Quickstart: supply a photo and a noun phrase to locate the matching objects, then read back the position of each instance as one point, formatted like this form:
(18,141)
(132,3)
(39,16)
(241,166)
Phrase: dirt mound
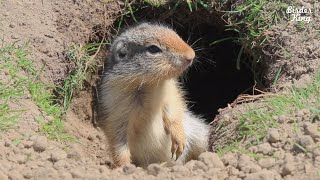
(288,145)
(50,28)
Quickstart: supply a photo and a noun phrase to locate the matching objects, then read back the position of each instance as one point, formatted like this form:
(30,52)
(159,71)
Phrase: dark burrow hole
(213,80)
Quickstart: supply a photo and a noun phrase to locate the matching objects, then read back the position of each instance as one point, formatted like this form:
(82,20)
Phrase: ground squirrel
(141,107)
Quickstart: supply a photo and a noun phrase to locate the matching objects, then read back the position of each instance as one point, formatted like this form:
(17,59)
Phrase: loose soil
(50,27)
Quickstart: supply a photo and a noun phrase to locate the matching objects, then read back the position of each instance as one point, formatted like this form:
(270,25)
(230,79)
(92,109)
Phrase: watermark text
(300,13)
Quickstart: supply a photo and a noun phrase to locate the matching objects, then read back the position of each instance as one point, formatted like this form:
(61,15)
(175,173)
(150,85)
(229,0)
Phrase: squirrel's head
(148,53)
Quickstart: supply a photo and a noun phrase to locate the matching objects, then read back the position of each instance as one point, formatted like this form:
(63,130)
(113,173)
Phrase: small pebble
(98,136)
(287,169)
(273,135)
(253,149)
(58,155)
(233,171)
(40,143)
(265,148)
(129,168)
(289,158)
(5,14)
(90,138)
(261,175)
(266,162)
(282,119)
(48,35)
(306,140)
(103,147)
(280,154)
(180,169)
(21,159)
(65,175)
(20,146)
(312,130)
(211,160)
(300,114)
(27,144)
(22,24)
(74,155)
(77,173)
(199,165)
(7,143)
(154,169)
(12,25)
(27,174)
(230,159)
(103,169)
(14,36)
(62,164)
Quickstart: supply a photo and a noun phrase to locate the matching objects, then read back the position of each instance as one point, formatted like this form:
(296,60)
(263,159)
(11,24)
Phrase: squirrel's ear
(121,49)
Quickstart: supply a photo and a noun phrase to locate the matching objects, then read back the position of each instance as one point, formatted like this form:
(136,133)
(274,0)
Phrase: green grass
(252,21)
(256,121)
(85,64)
(253,18)
(23,82)
(12,88)
(222,151)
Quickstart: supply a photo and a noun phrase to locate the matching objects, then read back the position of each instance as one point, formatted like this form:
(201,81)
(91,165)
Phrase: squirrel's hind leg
(120,154)
(118,143)
(197,132)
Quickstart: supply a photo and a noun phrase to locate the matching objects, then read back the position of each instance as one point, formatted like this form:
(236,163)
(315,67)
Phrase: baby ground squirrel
(141,108)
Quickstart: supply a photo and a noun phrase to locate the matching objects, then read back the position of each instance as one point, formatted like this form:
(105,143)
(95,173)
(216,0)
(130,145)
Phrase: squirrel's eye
(153,49)
(121,55)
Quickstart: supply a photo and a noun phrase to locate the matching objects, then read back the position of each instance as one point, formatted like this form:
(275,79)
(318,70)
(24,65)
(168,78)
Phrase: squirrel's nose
(190,55)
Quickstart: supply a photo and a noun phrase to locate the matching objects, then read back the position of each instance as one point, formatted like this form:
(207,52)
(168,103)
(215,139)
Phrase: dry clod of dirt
(230,159)
(199,166)
(306,140)
(21,159)
(266,162)
(27,173)
(288,168)
(232,171)
(212,160)
(129,169)
(273,135)
(263,175)
(282,119)
(58,155)
(40,143)
(7,143)
(154,169)
(247,164)
(312,130)
(265,149)
(27,143)
(74,155)
(15,175)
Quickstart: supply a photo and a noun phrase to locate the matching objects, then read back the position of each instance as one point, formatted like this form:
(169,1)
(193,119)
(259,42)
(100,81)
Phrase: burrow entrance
(214,80)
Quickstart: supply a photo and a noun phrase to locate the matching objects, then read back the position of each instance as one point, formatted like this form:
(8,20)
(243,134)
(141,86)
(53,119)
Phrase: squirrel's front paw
(178,138)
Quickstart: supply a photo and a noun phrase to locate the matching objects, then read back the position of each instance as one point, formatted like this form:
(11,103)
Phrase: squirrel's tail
(197,132)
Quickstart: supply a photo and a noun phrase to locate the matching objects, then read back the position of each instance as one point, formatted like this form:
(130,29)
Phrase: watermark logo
(300,13)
